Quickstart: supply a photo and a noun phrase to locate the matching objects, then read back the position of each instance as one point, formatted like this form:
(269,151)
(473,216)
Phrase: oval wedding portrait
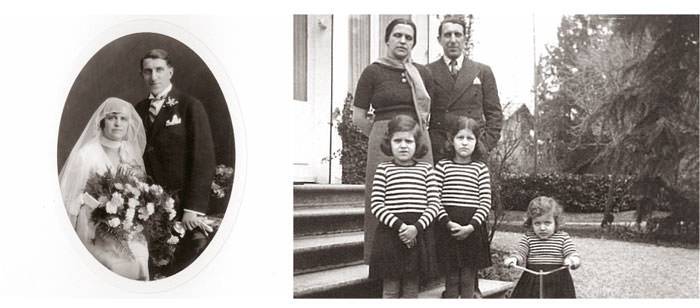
(146,156)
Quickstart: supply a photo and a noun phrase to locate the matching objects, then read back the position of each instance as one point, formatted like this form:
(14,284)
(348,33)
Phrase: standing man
(179,152)
(462,88)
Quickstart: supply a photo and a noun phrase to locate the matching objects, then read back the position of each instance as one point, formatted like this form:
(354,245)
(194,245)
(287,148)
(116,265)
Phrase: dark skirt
(472,252)
(556,285)
(390,258)
(374,157)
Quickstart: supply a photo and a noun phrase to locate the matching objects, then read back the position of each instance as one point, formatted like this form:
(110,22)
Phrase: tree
(654,116)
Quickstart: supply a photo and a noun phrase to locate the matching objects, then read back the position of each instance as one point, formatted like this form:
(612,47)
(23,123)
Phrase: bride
(114,137)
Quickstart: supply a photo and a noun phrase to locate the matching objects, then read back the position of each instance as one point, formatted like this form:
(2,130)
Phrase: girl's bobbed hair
(541,206)
(404,123)
(458,123)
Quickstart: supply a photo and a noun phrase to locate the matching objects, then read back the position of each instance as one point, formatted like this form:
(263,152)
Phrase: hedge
(577,193)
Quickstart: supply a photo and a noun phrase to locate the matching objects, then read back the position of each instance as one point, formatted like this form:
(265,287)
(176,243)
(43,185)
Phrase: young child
(401,249)
(545,247)
(464,189)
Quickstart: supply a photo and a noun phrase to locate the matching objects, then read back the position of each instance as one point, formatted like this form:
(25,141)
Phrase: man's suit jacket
(180,156)
(466,97)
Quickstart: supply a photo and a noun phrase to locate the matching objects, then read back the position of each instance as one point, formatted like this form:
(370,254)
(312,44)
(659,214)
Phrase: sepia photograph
(479,155)
(146,156)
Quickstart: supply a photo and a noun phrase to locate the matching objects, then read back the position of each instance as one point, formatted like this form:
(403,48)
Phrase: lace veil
(81,161)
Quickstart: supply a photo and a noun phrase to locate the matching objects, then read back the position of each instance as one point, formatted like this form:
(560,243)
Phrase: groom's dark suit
(473,94)
(180,157)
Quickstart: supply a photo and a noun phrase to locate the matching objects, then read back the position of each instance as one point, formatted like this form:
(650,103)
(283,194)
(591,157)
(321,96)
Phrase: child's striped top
(464,185)
(553,250)
(403,189)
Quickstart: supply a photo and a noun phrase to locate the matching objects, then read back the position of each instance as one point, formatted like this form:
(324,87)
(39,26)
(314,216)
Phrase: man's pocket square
(175,120)
(476,80)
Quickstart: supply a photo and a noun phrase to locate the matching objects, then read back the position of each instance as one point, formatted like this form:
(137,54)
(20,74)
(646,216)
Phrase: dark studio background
(115,71)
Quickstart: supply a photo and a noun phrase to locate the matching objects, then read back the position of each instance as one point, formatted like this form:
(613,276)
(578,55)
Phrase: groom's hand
(190,221)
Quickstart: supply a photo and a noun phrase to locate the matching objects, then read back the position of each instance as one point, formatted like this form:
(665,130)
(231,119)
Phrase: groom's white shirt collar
(160,98)
(460,60)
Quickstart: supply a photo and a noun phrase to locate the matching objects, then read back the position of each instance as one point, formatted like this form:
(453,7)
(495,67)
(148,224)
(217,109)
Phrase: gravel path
(616,269)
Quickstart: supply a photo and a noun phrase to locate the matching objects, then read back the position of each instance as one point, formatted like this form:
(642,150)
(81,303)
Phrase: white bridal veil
(87,155)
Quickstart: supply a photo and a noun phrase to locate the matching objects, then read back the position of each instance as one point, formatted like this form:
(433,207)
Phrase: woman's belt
(388,115)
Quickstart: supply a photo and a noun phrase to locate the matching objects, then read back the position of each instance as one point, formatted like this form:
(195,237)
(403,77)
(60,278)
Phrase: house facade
(330,52)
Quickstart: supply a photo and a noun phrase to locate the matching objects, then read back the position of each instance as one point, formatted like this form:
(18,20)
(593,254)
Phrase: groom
(179,151)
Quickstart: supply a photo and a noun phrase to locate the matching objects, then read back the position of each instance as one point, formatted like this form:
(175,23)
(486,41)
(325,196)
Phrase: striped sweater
(464,185)
(553,250)
(404,189)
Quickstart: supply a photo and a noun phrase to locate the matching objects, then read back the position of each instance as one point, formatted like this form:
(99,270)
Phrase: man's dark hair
(454,20)
(157,54)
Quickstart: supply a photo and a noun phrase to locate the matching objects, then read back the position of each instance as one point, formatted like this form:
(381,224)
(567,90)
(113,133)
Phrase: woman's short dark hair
(404,123)
(458,123)
(541,206)
(399,21)
(156,54)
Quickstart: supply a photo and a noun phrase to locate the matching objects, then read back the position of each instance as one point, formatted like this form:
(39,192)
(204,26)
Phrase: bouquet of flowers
(125,207)
(222,181)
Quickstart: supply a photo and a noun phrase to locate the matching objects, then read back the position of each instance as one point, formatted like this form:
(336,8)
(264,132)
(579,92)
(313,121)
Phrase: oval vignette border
(166,28)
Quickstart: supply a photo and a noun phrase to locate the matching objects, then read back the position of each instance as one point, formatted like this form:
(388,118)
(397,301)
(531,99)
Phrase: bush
(353,156)
(577,193)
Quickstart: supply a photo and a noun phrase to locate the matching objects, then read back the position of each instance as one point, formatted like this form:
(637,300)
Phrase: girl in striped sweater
(545,247)
(464,188)
(400,200)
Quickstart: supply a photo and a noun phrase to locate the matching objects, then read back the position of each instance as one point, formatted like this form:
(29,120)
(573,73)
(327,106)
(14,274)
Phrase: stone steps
(329,243)
(323,252)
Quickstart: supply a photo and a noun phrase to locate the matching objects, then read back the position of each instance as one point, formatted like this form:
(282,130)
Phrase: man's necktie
(153,109)
(453,68)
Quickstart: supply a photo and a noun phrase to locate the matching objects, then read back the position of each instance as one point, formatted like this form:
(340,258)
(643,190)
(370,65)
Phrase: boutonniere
(170,102)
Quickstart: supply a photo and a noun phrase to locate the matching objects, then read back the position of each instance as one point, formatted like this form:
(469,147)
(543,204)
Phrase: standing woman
(392,85)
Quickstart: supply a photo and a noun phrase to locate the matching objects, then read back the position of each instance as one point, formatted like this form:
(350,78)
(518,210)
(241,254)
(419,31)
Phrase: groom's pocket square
(175,120)
(476,80)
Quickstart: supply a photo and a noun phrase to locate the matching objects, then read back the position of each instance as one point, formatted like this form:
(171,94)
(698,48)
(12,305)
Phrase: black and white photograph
(144,177)
(477,155)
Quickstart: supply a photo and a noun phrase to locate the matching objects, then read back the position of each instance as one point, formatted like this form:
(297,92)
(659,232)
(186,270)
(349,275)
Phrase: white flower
(173,240)
(127,225)
(114,203)
(171,214)
(129,216)
(169,204)
(156,189)
(150,208)
(118,186)
(133,203)
(143,214)
(171,102)
(114,222)
(133,190)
